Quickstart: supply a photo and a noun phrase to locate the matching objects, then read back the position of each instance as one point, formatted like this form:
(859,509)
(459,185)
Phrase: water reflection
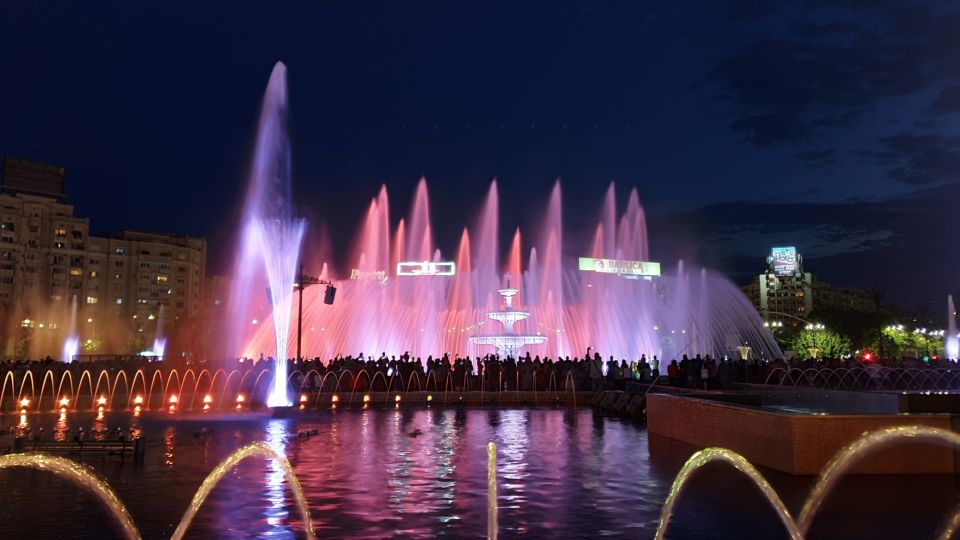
(419,474)
(276,511)
(169,438)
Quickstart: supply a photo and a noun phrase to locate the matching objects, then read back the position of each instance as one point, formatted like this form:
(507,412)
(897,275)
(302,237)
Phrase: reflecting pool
(421,473)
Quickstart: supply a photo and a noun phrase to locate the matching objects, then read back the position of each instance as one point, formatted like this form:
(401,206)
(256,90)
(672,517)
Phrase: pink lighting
(684,310)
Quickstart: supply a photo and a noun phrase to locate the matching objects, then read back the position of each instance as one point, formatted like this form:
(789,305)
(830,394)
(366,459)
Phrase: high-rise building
(786,290)
(783,287)
(123,284)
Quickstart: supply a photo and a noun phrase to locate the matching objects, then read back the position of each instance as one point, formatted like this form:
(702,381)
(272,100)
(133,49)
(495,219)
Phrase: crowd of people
(493,373)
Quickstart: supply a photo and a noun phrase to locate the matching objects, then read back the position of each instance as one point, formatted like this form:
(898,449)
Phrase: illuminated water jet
(71,345)
(270,236)
(81,476)
(951,343)
(684,311)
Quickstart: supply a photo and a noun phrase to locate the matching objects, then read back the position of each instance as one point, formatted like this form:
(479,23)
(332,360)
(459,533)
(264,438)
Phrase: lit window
(161,278)
(76,271)
(61,232)
(93,273)
(92,300)
(120,251)
(119,301)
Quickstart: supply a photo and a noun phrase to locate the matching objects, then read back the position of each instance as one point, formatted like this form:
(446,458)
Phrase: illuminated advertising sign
(783,261)
(368,275)
(646,269)
(426,268)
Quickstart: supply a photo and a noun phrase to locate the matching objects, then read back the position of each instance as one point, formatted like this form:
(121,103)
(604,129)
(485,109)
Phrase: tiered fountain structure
(508,342)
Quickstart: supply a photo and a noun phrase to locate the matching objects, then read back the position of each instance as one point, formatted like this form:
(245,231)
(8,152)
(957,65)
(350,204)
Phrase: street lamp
(304,281)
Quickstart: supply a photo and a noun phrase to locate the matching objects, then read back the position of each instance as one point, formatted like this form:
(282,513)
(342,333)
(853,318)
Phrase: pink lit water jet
(686,311)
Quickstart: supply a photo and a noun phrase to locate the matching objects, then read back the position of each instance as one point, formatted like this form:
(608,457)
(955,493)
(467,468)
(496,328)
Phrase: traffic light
(329,295)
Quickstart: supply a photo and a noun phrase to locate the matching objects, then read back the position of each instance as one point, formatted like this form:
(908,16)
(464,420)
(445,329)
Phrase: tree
(826,342)
(899,342)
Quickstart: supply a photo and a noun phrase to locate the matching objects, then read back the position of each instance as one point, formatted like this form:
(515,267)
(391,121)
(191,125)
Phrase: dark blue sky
(833,125)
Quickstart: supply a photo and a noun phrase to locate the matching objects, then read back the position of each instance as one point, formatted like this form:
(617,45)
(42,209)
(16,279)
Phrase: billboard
(425,268)
(784,261)
(368,275)
(620,267)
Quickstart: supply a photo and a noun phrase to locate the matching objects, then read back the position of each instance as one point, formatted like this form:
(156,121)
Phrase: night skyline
(748,125)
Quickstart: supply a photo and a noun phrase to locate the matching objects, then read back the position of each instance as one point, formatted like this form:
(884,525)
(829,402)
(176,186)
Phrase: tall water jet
(270,235)
(689,311)
(159,341)
(71,344)
(951,343)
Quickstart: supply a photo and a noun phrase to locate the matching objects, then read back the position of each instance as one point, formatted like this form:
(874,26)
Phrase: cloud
(899,244)
(919,159)
(817,158)
(948,101)
(792,85)
(751,9)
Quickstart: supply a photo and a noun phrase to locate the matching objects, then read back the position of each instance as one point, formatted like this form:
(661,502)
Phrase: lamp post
(304,281)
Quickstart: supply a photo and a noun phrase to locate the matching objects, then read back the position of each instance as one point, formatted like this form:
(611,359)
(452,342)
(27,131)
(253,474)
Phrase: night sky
(830,125)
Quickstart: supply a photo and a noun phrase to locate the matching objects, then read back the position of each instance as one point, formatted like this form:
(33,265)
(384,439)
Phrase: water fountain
(685,311)
(71,344)
(796,528)
(270,236)
(159,341)
(508,342)
(951,343)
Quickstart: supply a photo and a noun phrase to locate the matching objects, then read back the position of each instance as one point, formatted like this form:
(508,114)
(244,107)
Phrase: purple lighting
(270,239)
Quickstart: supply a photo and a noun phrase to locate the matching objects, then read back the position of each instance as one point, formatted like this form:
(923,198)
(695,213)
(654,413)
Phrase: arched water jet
(83,375)
(66,375)
(156,375)
(211,481)
(43,385)
(116,383)
(866,445)
(82,477)
(23,382)
(3,389)
(738,462)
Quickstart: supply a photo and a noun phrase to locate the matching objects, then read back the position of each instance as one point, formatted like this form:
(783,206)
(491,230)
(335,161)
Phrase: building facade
(56,278)
(785,288)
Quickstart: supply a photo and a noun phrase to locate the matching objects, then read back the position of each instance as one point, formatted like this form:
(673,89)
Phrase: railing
(78,388)
(867,378)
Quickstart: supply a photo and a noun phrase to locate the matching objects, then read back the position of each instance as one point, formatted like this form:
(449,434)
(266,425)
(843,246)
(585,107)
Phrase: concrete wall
(797,444)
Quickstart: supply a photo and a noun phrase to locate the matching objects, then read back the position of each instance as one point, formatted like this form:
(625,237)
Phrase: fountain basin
(794,441)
